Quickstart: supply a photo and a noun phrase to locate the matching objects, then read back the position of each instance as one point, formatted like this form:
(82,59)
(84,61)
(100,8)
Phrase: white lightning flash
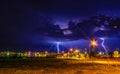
(58,48)
(103,41)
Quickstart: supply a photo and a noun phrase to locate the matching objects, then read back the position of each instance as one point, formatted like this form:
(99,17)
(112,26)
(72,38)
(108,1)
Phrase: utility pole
(107,53)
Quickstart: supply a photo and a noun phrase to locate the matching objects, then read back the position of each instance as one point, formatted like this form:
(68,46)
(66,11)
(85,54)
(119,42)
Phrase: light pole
(93,44)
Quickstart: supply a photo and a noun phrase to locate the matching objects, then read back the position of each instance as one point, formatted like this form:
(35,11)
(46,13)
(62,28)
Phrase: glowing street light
(94,43)
(71,50)
(77,51)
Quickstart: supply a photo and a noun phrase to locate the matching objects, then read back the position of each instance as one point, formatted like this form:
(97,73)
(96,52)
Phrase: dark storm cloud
(96,25)
(20,20)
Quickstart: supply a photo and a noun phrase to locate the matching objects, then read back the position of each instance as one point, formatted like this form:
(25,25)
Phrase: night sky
(42,23)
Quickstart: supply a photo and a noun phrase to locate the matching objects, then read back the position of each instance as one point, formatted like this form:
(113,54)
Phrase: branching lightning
(103,41)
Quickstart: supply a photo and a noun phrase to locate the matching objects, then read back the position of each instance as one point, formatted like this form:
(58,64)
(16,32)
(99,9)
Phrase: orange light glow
(94,43)
(76,51)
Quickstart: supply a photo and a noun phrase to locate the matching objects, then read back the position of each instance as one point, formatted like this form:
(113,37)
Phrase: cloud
(81,30)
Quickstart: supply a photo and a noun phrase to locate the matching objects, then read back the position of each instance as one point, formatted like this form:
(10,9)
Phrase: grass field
(53,66)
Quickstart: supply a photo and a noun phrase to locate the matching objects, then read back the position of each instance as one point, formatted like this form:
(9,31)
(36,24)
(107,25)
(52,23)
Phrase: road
(111,61)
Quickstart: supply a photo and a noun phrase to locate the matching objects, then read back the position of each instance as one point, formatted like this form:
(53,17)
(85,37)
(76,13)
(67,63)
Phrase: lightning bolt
(103,41)
(58,48)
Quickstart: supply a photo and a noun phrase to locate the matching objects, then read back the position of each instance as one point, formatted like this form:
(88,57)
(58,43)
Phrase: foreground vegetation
(53,66)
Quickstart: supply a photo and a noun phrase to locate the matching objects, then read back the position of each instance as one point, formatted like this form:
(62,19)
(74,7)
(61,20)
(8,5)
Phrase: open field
(54,66)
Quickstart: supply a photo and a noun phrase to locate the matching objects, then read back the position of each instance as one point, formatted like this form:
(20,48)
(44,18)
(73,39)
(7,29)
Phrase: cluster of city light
(23,54)
(71,53)
(74,54)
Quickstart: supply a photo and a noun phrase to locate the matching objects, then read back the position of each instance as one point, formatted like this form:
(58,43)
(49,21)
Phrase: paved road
(98,60)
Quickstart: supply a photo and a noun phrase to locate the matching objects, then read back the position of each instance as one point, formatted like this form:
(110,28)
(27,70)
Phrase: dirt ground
(54,66)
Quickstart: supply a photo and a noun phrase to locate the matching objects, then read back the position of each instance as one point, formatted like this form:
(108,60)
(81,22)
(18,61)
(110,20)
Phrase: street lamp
(93,44)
